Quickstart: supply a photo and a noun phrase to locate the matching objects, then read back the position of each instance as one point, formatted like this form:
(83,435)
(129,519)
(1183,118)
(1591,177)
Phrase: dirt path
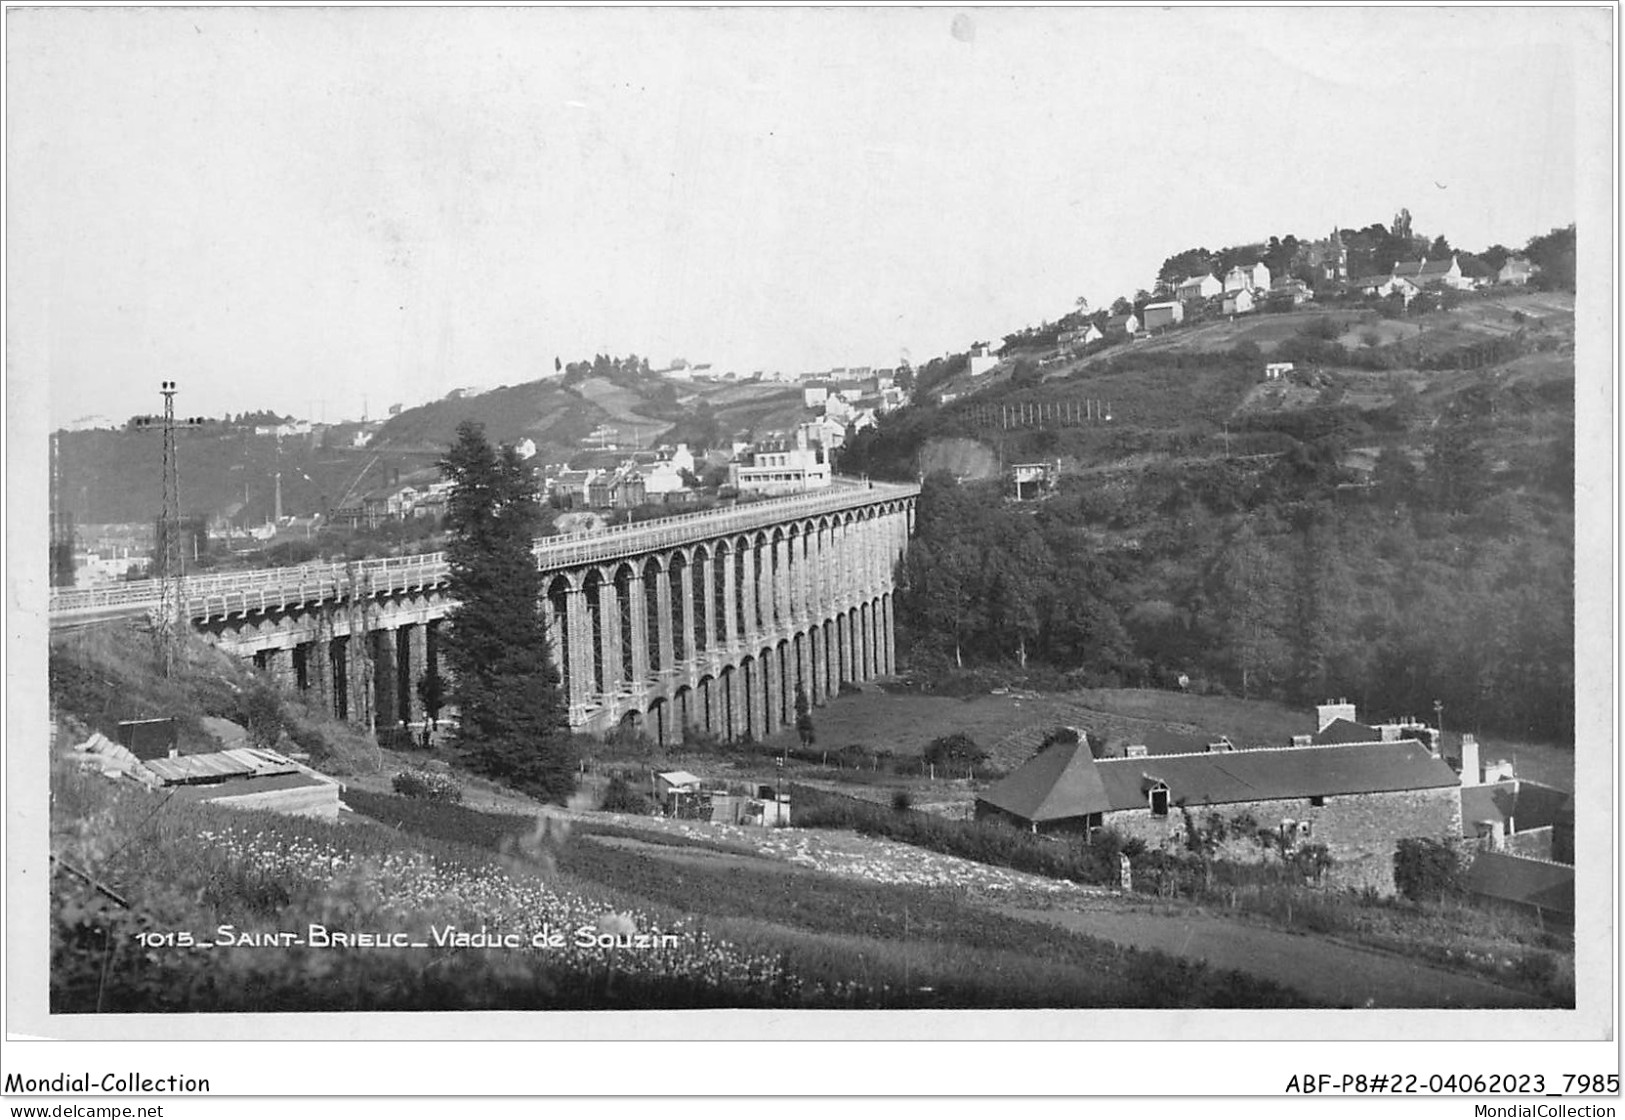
(1325,971)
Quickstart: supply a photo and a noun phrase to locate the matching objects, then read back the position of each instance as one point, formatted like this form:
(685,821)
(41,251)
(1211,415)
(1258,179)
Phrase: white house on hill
(1200,287)
(1247,276)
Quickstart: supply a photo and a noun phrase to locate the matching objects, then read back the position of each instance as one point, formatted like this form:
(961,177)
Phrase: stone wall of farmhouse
(1359,830)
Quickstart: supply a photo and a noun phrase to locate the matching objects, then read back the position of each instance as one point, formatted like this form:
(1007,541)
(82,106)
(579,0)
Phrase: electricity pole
(171,553)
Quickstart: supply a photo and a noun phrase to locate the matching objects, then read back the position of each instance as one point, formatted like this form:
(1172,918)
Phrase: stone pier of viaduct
(710,620)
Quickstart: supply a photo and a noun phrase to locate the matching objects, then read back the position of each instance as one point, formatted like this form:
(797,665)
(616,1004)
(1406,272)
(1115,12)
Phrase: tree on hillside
(1183,266)
(513,721)
(1281,255)
(1495,256)
(1457,467)
(804,720)
(1553,255)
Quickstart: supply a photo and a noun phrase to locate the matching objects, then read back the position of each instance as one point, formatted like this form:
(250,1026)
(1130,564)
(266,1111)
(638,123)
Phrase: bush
(260,711)
(620,797)
(1323,327)
(902,801)
(1058,735)
(956,751)
(426,786)
(1425,869)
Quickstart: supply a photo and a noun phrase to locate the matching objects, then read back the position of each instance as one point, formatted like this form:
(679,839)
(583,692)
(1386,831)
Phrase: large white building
(778,468)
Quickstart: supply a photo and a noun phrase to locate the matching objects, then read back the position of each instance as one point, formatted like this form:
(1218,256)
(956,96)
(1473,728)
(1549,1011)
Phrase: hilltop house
(1167,314)
(1293,288)
(1238,302)
(1516,270)
(1125,324)
(1329,259)
(1247,277)
(1079,337)
(823,431)
(1425,273)
(1387,286)
(1358,799)
(983,357)
(1199,287)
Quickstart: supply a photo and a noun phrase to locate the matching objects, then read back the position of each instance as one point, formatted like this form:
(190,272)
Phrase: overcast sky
(282,207)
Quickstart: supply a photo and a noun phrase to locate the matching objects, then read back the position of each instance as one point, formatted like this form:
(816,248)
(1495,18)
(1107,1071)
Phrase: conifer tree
(513,723)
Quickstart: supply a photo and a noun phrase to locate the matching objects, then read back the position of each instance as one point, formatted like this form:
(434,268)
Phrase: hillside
(640,412)
(1393,520)
(116,476)
(1187,391)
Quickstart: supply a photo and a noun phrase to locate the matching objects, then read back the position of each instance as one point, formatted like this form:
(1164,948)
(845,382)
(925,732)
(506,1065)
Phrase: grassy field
(905,722)
(742,932)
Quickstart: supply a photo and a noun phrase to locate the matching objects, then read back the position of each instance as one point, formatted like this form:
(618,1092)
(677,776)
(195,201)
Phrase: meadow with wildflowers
(222,910)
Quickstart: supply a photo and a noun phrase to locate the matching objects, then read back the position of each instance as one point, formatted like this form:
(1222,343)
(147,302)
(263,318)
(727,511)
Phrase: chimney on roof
(1135,750)
(1470,774)
(1501,770)
(1327,713)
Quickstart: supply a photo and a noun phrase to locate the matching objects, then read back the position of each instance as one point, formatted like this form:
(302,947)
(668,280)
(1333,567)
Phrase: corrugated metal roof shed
(239,762)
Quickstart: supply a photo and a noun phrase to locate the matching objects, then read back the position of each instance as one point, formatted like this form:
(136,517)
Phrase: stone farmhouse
(1358,799)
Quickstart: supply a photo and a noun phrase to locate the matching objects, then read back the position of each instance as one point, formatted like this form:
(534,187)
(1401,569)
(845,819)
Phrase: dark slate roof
(1529,804)
(1276,773)
(1156,742)
(1066,781)
(1533,882)
(1058,783)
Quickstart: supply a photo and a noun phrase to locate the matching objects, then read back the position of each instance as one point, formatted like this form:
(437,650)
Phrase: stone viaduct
(709,620)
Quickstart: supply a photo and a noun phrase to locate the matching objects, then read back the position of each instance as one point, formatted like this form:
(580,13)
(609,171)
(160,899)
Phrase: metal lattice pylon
(168,618)
(173,556)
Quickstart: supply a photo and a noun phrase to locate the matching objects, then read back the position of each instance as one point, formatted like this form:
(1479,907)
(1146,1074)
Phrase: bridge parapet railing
(215,593)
